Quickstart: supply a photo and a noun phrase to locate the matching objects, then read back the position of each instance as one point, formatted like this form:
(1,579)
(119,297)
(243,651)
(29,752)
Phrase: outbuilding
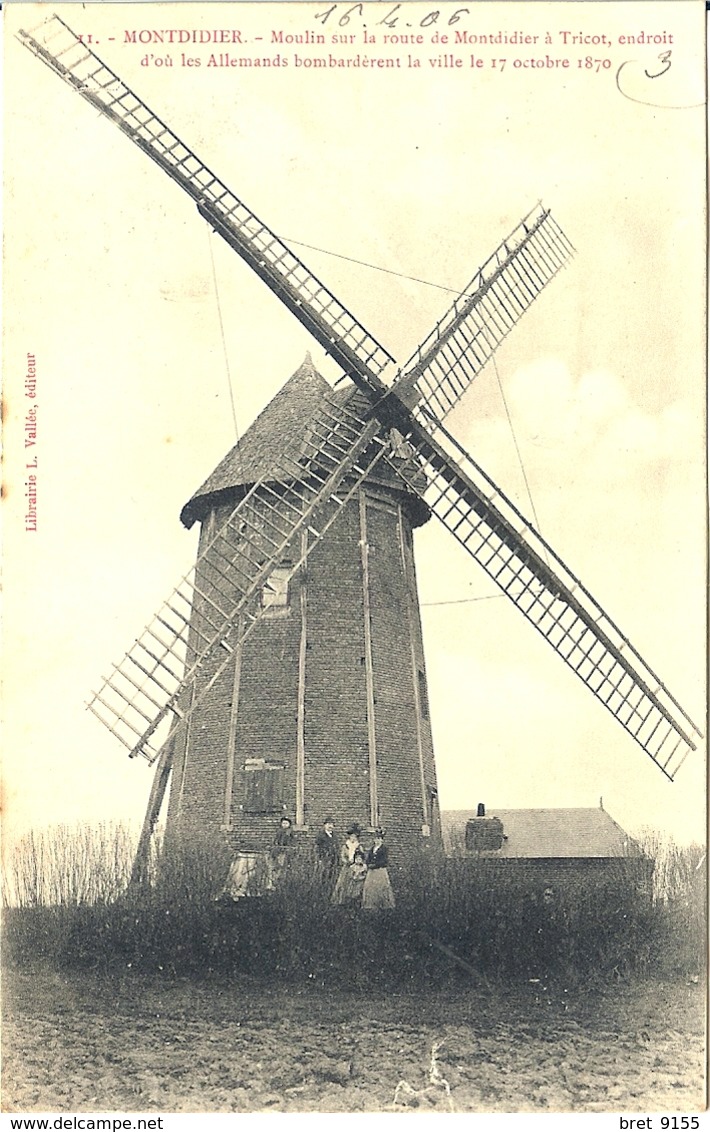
(548,848)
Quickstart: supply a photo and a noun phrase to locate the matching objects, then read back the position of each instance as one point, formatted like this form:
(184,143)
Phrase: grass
(69,901)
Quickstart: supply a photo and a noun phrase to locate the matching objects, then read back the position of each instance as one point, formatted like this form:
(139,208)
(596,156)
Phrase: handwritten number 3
(665,57)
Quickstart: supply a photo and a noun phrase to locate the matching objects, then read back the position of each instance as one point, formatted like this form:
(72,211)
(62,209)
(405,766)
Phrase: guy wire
(224,348)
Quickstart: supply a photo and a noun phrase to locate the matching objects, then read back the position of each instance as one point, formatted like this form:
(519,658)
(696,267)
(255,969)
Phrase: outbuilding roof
(549,833)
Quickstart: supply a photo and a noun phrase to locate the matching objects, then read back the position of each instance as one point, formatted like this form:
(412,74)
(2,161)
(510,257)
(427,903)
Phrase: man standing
(326,846)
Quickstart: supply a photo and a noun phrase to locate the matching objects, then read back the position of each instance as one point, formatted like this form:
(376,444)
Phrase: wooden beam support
(139,873)
(369,674)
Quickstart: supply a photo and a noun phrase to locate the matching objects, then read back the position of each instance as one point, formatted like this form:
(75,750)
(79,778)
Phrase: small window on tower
(423,697)
(274,595)
(263,786)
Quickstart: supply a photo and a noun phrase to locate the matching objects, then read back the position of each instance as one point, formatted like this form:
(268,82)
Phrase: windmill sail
(444,365)
(146,687)
(527,570)
(461,343)
(337,331)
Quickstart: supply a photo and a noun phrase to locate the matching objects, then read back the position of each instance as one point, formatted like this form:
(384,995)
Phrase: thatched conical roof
(257,452)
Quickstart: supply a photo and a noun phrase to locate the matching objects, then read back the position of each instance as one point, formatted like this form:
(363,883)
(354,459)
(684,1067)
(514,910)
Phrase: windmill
(381,438)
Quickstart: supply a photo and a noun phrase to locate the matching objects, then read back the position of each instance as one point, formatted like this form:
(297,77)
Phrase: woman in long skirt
(377,891)
(348,887)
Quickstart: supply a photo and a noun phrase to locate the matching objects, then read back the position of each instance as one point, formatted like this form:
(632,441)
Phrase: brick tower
(324,709)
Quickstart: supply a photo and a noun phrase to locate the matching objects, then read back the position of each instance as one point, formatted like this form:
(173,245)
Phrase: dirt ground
(144,1043)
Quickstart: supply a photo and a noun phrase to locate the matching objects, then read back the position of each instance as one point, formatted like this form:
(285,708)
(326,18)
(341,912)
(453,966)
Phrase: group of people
(362,879)
(359,874)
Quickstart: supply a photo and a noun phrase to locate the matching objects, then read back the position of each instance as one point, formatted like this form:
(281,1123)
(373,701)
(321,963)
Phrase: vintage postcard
(355,557)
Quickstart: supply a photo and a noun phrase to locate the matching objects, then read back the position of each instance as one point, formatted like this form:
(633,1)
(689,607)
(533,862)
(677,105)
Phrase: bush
(679,905)
(65,866)
(70,900)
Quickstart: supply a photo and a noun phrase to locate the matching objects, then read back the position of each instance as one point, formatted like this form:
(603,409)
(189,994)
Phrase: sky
(139,319)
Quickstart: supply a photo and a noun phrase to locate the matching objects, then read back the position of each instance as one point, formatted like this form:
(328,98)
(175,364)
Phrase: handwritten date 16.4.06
(390,19)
